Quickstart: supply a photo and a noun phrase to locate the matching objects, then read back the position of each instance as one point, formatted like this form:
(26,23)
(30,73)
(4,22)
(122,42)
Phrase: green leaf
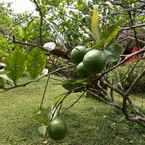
(129,1)
(113,32)
(5,46)
(108,34)
(95,21)
(36,61)
(116,50)
(19,32)
(15,64)
(3,53)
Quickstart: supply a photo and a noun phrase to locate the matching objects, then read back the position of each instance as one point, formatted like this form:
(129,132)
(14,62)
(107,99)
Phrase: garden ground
(89,122)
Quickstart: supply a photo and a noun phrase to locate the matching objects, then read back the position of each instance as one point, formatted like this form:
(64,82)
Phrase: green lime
(81,70)
(57,128)
(94,61)
(78,53)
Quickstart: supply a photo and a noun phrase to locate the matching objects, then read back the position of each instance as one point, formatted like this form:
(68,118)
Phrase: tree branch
(67,108)
(43,96)
(134,82)
(41,21)
(57,51)
(123,61)
(27,83)
(132,27)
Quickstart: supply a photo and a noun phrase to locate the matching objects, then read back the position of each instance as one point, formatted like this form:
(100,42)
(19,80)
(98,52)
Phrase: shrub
(125,75)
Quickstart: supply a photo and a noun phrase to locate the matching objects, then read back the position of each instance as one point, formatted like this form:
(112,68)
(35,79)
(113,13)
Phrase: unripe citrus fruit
(81,70)
(78,53)
(94,61)
(57,128)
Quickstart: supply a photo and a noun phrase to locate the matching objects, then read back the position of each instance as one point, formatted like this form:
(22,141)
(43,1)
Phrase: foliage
(5,20)
(15,64)
(4,47)
(95,24)
(123,76)
(36,61)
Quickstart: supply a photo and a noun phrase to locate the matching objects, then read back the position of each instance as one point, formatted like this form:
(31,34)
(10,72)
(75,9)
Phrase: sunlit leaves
(110,34)
(107,35)
(36,61)
(129,1)
(95,20)
(103,34)
(43,5)
(5,20)
(15,64)
(5,47)
(18,32)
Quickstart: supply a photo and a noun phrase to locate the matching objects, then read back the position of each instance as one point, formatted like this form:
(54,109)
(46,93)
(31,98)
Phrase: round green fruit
(94,61)
(57,128)
(78,53)
(81,70)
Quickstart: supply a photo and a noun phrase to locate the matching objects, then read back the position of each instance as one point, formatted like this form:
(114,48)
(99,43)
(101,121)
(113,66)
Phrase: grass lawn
(89,122)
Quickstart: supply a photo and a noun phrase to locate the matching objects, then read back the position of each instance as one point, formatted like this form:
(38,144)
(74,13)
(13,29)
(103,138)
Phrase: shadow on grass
(87,129)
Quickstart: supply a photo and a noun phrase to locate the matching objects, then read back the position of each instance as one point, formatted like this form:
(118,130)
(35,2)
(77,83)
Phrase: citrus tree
(84,41)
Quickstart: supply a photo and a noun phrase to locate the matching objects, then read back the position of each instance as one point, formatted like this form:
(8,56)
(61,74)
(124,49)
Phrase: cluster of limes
(88,61)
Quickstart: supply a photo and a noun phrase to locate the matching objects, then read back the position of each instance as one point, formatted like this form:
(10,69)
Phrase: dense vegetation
(95,47)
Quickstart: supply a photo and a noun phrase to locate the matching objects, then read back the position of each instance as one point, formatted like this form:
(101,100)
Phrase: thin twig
(27,83)
(24,84)
(104,101)
(132,27)
(123,61)
(43,96)
(134,82)
(67,108)
(132,38)
(57,51)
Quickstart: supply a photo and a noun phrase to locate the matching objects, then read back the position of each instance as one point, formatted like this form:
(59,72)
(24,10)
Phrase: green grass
(89,122)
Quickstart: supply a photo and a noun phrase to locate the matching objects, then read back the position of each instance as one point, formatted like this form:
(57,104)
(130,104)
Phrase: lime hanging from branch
(78,53)
(81,70)
(57,128)
(94,61)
